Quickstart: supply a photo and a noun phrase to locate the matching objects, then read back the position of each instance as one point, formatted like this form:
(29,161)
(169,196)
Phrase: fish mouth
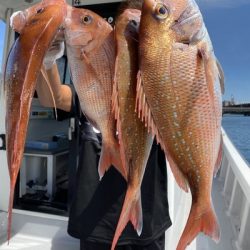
(133,20)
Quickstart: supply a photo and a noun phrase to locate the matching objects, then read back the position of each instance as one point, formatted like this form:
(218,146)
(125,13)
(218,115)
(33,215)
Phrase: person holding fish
(96,205)
(115,72)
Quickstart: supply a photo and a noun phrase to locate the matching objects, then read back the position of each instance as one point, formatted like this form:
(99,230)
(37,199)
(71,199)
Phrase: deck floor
(31,232)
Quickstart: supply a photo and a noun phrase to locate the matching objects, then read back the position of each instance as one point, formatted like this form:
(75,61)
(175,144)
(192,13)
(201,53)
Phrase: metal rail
(235,175)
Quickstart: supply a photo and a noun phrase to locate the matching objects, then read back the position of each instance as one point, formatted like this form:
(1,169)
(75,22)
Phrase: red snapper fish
(91,54)
(179,97)
(135,141)
(42,22)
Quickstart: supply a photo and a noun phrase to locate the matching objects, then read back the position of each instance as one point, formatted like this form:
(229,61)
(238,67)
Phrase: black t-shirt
(96,205)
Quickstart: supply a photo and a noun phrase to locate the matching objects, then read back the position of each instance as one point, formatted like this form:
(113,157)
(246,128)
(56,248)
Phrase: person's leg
(158,244)
(87,245)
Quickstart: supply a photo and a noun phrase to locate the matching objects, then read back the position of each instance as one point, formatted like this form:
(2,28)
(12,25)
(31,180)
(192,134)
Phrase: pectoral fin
(210,66)
(221,76)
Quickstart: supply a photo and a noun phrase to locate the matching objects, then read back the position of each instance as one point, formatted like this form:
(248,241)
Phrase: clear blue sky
(228,23)
(2,29)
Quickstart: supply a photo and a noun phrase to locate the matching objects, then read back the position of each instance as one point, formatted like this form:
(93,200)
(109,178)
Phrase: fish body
(179,87)
(135,141)
(22,69)
(91,54)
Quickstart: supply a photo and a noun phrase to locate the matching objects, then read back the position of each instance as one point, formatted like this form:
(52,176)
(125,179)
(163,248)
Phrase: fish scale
(135,142)
(180,81)
(200,117)
(90,90)
(91,54)
(37,31)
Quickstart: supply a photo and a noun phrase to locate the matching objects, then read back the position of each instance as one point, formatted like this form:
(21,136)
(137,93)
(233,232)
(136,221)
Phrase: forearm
(62,93)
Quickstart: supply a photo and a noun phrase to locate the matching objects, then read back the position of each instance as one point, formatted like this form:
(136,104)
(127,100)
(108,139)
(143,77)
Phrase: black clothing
(97,204)
(158,244)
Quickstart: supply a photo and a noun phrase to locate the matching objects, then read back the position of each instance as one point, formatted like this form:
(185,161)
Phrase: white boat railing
(235,176)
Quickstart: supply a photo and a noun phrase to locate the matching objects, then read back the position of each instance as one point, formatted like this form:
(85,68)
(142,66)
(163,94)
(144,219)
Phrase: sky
(2,29)
(228,23)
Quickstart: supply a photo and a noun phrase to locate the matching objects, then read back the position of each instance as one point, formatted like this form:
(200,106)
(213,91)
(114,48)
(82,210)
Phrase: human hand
(55,52)
(18,21)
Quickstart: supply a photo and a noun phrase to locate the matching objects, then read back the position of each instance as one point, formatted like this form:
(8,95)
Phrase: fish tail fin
(206,223)
(110,155)
(131,211)
(11,200)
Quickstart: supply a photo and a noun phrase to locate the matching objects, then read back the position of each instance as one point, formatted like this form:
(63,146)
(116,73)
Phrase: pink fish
(23,66)
(91,54)
(135,141)
(179,97)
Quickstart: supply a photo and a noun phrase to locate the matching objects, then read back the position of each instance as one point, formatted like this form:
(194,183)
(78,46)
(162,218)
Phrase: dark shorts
(158,244)
(96,205)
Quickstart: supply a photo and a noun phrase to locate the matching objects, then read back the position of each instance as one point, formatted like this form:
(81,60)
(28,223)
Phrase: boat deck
(33,231)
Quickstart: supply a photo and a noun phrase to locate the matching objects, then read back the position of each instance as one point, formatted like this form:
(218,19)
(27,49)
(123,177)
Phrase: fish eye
(161,11)
(86,19)
(39,11)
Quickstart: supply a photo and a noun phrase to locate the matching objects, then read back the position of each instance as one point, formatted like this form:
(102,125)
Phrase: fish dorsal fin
(211,72)
(44,73)
(209,66)
(221,76)
(115,101)
(145,115)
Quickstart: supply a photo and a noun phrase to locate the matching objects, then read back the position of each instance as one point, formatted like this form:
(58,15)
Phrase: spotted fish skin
(91,54)
(180,83)
(135,141)
(22,69)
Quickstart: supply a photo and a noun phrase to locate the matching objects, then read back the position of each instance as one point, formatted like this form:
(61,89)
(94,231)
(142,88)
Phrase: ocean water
(237,128)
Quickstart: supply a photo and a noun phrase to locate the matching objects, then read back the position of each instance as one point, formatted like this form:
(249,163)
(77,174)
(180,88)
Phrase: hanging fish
(179,98)
(91,54)
(135,141)
(42,22)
